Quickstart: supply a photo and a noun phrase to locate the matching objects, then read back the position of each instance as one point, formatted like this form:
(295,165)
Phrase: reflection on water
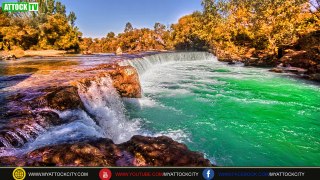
(10,69)
(14,72)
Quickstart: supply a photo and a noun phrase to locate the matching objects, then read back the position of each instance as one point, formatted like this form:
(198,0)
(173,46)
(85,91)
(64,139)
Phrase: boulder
(315,77)
(289,69)
(59,98)
(138,151)
(231,63)
(126,81)
(265,61)
(277,70)
(301,59)
(295,70)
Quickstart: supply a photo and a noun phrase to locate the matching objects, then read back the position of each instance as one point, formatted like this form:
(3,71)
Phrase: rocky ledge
(138,151)
(301,58)
(26,114)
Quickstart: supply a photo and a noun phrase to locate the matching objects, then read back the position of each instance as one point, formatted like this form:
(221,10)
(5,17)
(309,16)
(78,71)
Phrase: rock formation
(25,111)
(139,151)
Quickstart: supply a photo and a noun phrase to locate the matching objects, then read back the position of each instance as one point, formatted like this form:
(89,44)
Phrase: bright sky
(96,18)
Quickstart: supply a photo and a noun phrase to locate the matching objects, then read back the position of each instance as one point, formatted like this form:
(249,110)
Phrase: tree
(128,27)
(264,24)
(85,44)
(72,18)
(187,33)
(60,8)
(111,35)
(49,28)
(49,7)
(159,28)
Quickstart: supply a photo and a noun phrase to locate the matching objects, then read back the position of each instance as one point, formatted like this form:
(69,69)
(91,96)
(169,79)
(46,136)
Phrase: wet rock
(139,151)
(264,61)
(315,77)
(301,59)
(19,130)
(162,151)
(277,70)
(59,98)
(231,63)
(295,70)
(24,120)
(289,69)
(126,81)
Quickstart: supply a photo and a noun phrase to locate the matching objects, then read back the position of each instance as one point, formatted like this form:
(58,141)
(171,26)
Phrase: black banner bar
(106,173)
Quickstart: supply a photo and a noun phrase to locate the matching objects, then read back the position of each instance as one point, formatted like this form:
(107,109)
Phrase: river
(235,115)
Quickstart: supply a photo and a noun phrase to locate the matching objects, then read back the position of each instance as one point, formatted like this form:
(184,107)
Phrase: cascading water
(103,116)
(103,102)
(237,116)
(144,64)
(5,142)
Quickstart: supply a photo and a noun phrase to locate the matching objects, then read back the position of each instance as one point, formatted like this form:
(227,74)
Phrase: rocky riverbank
(301,58)
(138,151)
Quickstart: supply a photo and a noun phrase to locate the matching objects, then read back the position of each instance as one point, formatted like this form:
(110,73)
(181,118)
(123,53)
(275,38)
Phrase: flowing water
(237,116)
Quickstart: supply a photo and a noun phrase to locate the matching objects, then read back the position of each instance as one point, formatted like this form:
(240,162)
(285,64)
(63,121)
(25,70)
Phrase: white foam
(176,134)
(104,104)
(142,102)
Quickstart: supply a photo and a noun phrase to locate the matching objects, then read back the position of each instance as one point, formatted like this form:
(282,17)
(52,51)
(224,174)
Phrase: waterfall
(103,103)
(17,136)
(5,143)
(23,134)
(104,113)
(145,63)
(102,116)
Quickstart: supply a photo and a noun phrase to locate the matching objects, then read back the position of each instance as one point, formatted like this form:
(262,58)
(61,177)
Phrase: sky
(96,18)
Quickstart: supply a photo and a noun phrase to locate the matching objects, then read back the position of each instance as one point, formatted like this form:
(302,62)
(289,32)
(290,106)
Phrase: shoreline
(33,53)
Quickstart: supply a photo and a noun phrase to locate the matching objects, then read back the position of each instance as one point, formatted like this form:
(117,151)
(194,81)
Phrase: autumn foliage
(232,29)
(49,28)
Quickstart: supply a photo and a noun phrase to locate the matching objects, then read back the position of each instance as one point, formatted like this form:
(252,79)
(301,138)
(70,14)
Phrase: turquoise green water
(236,116)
